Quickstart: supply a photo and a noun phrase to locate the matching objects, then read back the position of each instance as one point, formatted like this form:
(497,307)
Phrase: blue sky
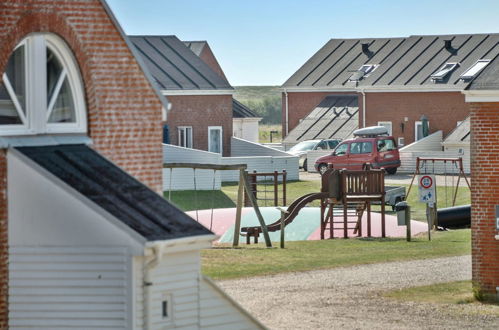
(260,42)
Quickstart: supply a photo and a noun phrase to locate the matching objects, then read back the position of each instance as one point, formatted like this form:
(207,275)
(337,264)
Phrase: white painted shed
(90,247)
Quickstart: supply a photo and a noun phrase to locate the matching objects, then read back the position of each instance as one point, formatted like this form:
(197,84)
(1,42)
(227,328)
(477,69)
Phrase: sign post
(428,195)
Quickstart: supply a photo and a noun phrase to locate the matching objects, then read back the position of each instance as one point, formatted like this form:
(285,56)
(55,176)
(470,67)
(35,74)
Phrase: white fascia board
(189,243)
(368,89)
(481,96)
(247,119)
(138,240)
(198,92)
(319,89)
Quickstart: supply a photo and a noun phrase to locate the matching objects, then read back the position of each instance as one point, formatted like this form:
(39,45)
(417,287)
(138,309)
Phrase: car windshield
(303,146)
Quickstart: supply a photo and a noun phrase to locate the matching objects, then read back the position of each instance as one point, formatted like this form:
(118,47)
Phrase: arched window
(41,91)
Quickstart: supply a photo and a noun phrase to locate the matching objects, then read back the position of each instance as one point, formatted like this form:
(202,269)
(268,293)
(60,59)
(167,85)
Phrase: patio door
(215,139)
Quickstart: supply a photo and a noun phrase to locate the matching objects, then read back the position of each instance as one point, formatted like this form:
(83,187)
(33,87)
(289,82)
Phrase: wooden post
(430,217)
(276,189)
(408,222)
(252,198)
(284,178)
(283,224)
(239,207)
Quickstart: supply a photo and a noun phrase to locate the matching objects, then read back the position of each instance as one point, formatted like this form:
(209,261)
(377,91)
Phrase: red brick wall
(485,196)
(4,271)
(301,104)
(209,58)
(201,111)
(124,114)
(443,110)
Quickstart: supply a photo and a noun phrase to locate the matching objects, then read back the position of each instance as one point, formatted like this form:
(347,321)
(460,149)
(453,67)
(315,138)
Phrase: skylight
(474,69)
(363,72)
(441,73)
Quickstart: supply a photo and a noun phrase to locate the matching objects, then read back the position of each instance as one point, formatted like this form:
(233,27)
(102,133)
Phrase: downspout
(157,254)
(287,113)
(363,107)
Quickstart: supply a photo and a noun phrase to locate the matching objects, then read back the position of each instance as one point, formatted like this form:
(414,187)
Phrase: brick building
(85,238)
(201,98)
(396,82)
(483,98)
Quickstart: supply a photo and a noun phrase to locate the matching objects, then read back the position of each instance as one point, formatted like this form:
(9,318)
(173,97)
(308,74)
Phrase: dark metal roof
(337,116)
(196,46)
(174,66)
(488,79)
(117,192)
(239,110)
(405,63)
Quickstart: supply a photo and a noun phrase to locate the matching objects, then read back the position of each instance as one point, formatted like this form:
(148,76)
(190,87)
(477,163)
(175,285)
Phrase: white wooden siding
(432,142)
(183,179)
(242,148)
(408,162)
(69,287)
(176,275)
(246,128)
(218,311)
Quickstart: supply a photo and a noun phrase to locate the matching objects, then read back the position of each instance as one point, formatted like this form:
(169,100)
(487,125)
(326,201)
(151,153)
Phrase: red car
(372,148)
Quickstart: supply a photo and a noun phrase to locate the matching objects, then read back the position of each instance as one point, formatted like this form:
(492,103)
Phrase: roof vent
(365,49)
(449,48)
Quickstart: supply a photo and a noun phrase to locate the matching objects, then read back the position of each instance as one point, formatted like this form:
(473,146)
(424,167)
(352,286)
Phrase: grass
(459,292)
(455,293)
(186,200)
(264,133)
(223,262)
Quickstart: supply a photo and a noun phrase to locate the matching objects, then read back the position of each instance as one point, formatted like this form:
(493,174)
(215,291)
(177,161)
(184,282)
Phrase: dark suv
(365,151)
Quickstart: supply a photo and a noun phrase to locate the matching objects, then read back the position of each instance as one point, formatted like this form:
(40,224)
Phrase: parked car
(303,147)
(372,148)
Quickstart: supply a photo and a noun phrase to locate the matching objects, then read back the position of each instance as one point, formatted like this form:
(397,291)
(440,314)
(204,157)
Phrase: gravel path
(351,298)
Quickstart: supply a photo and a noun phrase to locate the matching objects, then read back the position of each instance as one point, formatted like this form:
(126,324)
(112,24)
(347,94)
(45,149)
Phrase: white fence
(188,179)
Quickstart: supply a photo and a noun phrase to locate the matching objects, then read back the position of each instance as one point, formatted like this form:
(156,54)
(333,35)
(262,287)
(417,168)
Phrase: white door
(215,139)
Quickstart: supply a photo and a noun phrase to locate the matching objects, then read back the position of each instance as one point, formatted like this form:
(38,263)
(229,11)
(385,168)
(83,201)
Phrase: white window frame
(416,124)
(213,128)
(400,142)
(441,73)
(388,125)
(471,72)
(36,121)
(186,129)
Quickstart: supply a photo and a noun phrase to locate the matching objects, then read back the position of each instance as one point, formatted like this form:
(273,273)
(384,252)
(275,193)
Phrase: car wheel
(305,165)
(367,167)
(392,170)
(322,168)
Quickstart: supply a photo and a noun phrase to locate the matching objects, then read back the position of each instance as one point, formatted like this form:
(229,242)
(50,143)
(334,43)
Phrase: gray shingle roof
(114,190)
(239,110)
(488,79)
(337,116)
(174,66)
(406,63)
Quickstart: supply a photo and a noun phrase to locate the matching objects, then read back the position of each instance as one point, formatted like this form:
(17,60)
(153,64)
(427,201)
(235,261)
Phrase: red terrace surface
(224,219)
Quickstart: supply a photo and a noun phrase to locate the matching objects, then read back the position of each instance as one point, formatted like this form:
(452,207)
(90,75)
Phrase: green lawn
(264,133)
(224,262)
(227,197)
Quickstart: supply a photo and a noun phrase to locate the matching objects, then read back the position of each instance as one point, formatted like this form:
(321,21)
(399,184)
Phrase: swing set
(243,187)
(456,167)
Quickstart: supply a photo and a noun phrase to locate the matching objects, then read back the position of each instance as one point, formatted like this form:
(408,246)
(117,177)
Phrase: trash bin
(403,213)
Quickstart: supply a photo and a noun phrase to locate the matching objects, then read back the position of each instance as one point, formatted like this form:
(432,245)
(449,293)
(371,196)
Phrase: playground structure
(343,194)
(270,179)
(453,216)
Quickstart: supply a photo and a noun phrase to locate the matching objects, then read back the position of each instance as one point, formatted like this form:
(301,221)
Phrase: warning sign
(427,192)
